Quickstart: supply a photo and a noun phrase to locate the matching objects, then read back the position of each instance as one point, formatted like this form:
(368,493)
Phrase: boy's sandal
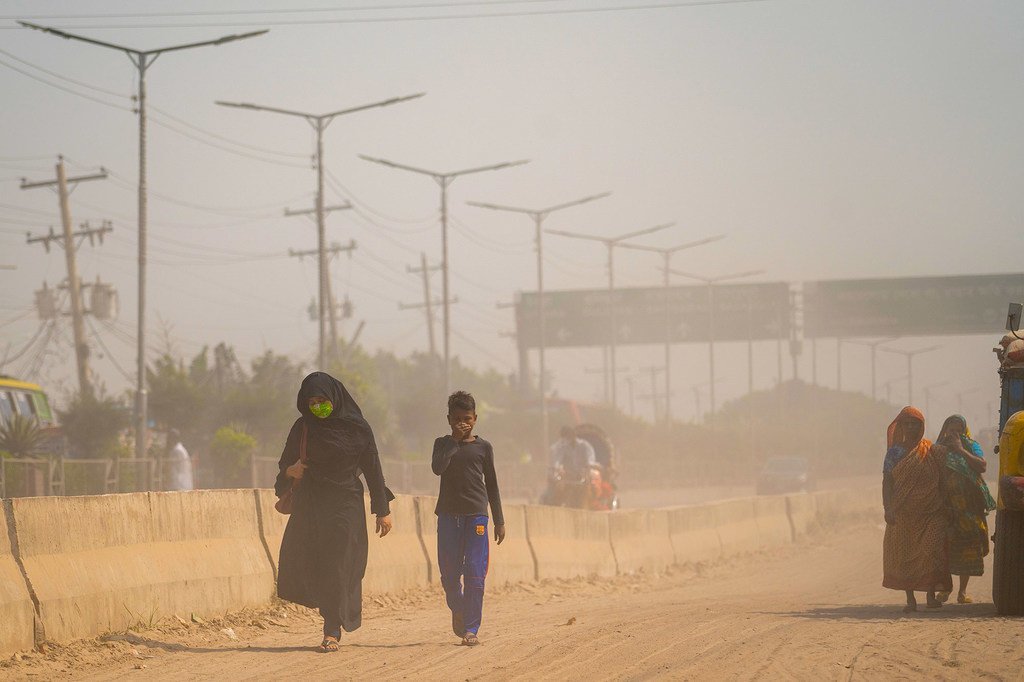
(329,645)
(470,640)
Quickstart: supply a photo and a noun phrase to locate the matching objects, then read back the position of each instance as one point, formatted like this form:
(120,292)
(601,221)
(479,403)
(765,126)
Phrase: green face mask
(322,410)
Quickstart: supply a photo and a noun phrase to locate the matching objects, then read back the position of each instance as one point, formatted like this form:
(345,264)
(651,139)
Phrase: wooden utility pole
(332,250)
(74,284)
(428,302)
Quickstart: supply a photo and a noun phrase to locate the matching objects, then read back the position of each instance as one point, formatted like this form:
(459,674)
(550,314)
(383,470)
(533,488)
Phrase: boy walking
(465,463)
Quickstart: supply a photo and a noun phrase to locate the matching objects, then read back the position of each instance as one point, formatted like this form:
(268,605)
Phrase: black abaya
(324,549)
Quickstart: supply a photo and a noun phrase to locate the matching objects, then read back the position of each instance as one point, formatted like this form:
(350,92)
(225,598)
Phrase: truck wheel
(1008,563)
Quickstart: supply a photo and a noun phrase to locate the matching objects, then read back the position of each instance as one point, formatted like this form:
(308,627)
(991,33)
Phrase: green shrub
(230,453)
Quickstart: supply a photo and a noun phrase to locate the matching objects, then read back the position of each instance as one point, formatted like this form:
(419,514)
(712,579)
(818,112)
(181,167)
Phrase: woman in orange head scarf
(914,552)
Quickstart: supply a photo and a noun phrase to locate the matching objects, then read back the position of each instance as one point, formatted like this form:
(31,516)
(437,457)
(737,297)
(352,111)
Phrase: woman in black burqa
(323,552)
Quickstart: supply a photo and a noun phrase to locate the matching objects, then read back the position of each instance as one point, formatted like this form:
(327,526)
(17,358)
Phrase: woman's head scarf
(950,421)
(922,445)
(345,430)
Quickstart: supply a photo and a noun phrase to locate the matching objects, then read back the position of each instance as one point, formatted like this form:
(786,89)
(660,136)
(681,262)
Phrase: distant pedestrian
(914,552)
(324,549)
(177,464)
(465,463)
(969,500)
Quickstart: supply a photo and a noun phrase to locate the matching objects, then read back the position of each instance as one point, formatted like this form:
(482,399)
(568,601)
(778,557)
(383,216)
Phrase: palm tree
(21,436)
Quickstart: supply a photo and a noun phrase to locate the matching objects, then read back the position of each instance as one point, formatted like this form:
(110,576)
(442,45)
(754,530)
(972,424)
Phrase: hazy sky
(828,139)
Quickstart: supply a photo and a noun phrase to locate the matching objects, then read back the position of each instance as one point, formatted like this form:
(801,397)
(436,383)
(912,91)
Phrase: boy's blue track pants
(463,554)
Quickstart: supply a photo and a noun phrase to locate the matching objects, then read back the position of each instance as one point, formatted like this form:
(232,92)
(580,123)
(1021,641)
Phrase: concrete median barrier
(693,532)
(17,612)
(512,562)
(803,514)
(737,526)
(570,543)
(109,562)
(641,541)
(773,526)
(399,561)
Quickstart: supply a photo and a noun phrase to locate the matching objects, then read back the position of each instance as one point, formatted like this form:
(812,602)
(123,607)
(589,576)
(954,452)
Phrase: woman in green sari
(969,502)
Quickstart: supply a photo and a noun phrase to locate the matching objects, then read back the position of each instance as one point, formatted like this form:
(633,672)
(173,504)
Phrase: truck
(1008,552)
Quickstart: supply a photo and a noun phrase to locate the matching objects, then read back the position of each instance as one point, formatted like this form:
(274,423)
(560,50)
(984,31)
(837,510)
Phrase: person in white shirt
(573,454)
(178,465)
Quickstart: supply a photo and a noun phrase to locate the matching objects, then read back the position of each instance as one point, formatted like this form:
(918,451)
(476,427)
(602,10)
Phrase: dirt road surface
(813,611)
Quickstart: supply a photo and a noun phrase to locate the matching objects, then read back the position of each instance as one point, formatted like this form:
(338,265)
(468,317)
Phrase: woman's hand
(296,470)
(384,525)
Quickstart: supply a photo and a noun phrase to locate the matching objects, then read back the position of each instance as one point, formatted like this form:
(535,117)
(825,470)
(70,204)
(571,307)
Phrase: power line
(110,356)
(417,18)
(305,10)
(63,77)
(62,87)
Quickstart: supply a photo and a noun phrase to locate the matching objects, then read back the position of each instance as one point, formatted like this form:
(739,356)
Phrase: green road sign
(652,315)
(912,306)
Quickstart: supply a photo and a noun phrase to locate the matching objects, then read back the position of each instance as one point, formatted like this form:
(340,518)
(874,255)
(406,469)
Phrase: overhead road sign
(581,318)
(909,306)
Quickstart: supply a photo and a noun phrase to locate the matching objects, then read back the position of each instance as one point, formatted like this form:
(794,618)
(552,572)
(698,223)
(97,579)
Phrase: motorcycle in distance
(592,487)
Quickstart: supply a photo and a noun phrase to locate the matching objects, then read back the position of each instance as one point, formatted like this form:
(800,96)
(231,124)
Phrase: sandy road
(815,611)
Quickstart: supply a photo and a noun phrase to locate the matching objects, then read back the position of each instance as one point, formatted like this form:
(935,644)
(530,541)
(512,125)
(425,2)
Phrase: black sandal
(329,645)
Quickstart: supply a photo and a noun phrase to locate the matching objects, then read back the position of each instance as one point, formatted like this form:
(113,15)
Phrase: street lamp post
(142,60)
(538,216)
(610,243)
(711,282)
(873,345)
(666,255)
(443,180)
(319,123)
(909,355)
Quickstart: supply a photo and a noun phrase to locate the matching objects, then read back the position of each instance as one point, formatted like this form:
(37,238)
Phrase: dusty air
(513,339)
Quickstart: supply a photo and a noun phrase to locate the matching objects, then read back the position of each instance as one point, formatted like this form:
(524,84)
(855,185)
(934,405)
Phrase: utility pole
(666,255)
(711,282)
(610,244)
(319,123)
(74,283)
(428,302)
(333,250)
(909,355)
(538,215)
(332,311)
(443,180)
(142,60)
(653,371)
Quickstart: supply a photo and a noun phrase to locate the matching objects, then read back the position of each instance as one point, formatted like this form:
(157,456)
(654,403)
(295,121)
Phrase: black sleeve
(491,481)
(289,456)
(887,486)
(380,496)
(444,448)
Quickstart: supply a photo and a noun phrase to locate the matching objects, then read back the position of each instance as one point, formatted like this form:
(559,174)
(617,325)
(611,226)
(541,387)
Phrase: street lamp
(874,353)
(443,180)
(319,122)
(909,355)
(711,282)
(666,255)
(610,243)
(538,216)
(142,59)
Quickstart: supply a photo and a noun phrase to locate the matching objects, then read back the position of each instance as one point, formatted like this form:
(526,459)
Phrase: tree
(92,424)
(21,436)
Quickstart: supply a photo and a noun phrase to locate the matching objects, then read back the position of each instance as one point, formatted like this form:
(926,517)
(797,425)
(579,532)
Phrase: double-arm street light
(443,180)
(319,123)
(666,255)
(610,244)
(873,345)
(711,282)
(909,355)
(538,215)
(142,59)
